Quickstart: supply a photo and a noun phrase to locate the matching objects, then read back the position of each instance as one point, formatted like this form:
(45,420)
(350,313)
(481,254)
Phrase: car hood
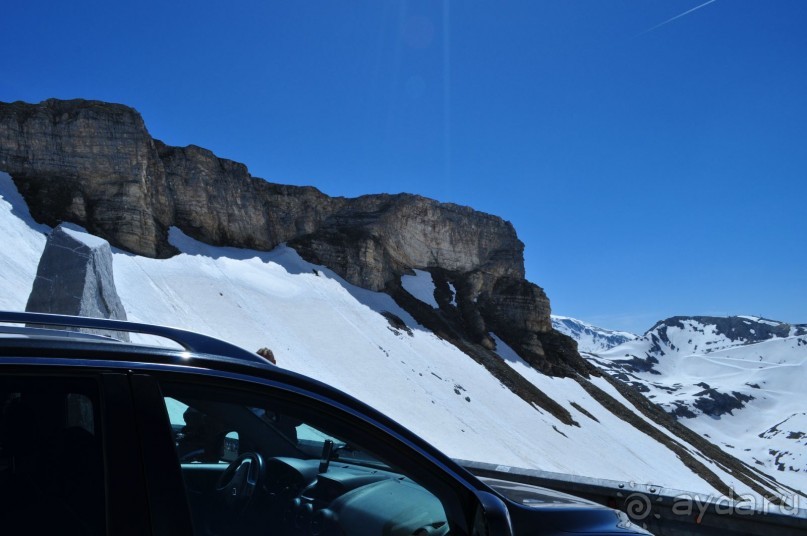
(536,497)
(561,512)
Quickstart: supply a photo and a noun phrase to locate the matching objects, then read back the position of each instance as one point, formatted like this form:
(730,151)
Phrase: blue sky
(649,173)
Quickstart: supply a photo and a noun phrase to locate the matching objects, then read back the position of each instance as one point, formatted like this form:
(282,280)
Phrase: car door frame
(462,500)
(125,509)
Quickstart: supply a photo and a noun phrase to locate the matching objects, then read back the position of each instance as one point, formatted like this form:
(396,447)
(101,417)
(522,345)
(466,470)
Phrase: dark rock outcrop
(90,163)
(714,403)
(95,164)
(74,277)
(374,239)
(218,202)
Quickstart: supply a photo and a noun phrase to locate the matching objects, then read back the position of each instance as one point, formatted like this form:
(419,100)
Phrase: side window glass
(51,459)
(299,467)
(199,436)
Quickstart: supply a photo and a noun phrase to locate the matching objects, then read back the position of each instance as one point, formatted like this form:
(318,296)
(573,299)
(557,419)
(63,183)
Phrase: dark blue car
(99,436)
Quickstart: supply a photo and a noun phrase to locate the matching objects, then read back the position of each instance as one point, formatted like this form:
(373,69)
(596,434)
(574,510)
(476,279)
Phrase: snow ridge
(590,338)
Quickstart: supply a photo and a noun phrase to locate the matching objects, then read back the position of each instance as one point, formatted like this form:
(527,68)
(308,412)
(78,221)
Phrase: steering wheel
(237,484)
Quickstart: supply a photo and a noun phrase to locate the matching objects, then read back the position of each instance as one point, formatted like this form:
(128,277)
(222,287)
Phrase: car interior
(248,467)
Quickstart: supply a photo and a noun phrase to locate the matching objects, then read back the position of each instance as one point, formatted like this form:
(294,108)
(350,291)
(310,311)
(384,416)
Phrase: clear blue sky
(649,173)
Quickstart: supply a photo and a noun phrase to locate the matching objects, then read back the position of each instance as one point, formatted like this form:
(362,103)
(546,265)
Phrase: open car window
(250,461)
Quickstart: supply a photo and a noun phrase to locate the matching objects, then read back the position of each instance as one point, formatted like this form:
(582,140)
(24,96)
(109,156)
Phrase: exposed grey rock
(95,164)
(74,277)
(88,162)
(218,202)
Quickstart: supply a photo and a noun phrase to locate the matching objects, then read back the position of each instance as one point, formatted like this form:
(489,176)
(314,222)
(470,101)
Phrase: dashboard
(301,497)
(350,499)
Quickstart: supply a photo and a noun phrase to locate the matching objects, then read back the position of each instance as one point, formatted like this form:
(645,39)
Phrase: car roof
(199,353)
(188,340)
(60,339)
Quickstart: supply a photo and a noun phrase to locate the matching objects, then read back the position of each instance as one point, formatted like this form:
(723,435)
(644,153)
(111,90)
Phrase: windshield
(196,422)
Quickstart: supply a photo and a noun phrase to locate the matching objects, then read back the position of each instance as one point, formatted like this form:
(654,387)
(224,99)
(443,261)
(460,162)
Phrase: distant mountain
(590,338)
(737,381)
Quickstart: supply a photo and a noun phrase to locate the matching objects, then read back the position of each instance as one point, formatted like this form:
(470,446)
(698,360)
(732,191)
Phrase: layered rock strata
(95,164)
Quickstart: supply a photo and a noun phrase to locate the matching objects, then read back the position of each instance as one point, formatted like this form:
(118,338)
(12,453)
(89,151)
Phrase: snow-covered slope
(321,326)
(317,324)
(738,381)
(590,338)
(22,244)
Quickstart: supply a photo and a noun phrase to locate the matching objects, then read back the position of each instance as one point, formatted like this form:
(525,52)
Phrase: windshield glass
(309,434)
(192,422)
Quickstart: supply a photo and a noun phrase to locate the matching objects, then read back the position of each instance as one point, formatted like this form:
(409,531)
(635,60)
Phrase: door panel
(168,504)
(126,488)
(201,480)
(68,457)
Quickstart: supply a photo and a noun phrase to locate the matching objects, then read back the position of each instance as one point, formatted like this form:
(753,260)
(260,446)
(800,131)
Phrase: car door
(229,455)
(69,457)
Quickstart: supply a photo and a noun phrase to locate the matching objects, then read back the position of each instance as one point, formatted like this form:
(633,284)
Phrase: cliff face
(217,201)
(90,163)
(96,165)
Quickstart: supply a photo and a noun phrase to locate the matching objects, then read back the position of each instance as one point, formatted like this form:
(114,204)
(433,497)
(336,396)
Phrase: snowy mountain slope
(737,381)
(273,299)
(23,242)
(590,338)
(318,324)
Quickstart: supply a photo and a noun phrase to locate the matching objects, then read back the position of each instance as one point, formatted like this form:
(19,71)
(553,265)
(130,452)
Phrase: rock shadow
(19,208)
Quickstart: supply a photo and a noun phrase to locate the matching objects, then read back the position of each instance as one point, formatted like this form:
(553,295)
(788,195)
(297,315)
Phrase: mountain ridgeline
(95,164)
(590,338)
(736,380)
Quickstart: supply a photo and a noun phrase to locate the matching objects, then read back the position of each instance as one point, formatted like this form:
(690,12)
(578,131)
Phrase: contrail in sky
(447,95)
(685,13)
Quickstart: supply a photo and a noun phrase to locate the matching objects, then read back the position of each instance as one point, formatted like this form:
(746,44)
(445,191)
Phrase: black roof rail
(188,340)
(47,332)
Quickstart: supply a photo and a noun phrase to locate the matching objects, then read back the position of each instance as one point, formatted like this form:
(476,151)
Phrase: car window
(298,470)
(51,459)
(200,438)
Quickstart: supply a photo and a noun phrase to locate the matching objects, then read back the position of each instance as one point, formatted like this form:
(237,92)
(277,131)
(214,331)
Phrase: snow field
(319,325)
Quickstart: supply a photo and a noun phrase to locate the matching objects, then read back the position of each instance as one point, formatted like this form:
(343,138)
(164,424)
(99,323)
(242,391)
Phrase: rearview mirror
(492,517)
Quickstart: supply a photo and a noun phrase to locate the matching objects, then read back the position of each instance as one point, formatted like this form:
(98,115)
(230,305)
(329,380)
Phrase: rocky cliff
(95,164)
